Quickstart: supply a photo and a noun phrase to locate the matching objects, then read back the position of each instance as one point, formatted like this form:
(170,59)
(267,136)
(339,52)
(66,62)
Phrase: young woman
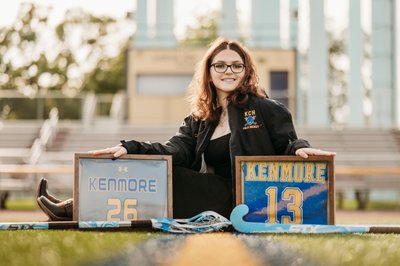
(231,116)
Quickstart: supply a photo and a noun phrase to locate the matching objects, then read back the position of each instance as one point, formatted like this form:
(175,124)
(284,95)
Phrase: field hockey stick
(204,222)
(242,226)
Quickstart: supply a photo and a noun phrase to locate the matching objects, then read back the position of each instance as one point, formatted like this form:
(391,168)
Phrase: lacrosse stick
(242,226)
(204,222)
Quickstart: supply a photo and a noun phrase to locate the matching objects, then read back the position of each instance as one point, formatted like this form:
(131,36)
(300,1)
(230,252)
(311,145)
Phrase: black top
(261,126)
(218,156)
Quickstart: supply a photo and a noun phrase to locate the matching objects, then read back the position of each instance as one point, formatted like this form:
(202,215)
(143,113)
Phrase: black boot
(42,191)
(56,211)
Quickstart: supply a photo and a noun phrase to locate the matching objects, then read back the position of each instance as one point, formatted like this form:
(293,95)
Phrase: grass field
(354,249)
(61,247)
(77,248)
(43,247)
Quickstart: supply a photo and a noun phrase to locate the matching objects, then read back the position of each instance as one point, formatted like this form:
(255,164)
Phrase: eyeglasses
(222,67)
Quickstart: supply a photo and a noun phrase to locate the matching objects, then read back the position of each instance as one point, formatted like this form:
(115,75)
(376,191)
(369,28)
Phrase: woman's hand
(304,152)
(116,151)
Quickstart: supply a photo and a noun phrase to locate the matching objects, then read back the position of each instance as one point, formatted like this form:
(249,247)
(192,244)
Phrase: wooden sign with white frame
(132,187)
(286,189)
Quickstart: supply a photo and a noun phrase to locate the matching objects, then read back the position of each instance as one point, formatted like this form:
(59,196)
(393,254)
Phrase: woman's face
(226,79)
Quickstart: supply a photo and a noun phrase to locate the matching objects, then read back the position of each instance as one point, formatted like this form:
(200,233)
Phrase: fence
(80,107)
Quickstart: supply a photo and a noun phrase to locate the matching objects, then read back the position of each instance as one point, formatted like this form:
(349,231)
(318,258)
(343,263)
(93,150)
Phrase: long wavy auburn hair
(203,98)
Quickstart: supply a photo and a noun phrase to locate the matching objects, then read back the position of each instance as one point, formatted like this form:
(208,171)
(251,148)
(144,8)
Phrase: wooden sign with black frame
(286,189)
(132,187)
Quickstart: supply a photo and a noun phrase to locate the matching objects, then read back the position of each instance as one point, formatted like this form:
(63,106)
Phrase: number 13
(295,206)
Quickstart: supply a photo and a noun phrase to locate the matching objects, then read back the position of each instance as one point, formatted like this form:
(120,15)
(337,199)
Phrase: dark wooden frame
(78,156)
(320,158)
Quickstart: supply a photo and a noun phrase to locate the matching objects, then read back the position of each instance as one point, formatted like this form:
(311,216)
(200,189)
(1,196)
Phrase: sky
(186,11)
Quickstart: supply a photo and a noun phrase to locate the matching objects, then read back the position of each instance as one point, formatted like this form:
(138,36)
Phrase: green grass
(21,204)
(351,204)
(62,247)
(77,248)
(358,249)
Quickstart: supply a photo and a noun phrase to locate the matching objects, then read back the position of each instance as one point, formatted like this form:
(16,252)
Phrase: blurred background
(80,76)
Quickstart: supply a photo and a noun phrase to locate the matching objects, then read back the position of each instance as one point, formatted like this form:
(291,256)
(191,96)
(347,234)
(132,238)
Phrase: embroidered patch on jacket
(250,120)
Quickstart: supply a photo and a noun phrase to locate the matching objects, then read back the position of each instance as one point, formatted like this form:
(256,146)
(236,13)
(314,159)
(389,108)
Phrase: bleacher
(366,158)
(55,162)
(16,140)
(378,147)
(73,138)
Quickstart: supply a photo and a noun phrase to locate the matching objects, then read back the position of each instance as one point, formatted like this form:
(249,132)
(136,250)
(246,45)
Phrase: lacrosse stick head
(204,222)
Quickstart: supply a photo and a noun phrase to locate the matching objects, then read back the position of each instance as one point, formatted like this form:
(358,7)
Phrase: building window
(162,85)
(279,86)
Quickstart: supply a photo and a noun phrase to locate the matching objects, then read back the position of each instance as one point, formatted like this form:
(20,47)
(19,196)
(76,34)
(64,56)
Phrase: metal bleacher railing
(21,165)
(29,157)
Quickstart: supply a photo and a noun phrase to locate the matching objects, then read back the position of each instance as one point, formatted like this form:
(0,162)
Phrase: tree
(205,31)
(22,58)
(83,52)
(37,57)
(109,75)
(100,51)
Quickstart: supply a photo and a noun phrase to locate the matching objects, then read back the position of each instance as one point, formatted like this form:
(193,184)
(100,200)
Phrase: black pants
(195,192)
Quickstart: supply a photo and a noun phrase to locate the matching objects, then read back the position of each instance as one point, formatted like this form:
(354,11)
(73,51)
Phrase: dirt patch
(219,249)
(22,216)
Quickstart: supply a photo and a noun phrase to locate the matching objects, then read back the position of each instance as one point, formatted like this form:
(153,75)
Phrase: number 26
(130,213)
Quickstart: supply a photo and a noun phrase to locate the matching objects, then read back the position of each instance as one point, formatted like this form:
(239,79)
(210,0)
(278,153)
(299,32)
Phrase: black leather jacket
(261,127)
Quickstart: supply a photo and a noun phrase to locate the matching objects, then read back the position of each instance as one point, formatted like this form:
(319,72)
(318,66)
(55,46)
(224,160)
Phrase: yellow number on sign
(115,211)
(130,213)
(295,206)
(272,202)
